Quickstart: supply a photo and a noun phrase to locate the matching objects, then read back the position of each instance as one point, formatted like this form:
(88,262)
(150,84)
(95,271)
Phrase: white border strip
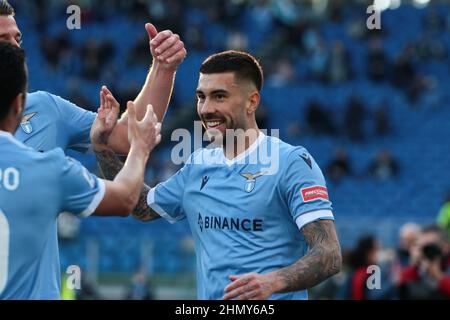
(306,218)
(97,199)
(152,204)
(247,152)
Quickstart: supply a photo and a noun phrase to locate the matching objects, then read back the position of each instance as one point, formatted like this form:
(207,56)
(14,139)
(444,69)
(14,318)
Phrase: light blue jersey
(245,217)
(51,122)
(34,188)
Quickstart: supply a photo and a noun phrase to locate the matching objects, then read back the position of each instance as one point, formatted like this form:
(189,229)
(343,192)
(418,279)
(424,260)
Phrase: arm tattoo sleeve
(110,165)
(322,261)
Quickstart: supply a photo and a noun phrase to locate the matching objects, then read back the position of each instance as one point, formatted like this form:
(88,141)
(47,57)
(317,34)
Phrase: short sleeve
(166,198)
(304,189)
(75,122)
(81,191)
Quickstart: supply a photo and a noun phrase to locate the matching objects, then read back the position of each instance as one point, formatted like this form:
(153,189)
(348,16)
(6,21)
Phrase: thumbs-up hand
(166,47)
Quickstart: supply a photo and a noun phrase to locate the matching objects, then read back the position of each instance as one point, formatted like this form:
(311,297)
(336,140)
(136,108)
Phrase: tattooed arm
(322,261)
(109,163)
(110,166)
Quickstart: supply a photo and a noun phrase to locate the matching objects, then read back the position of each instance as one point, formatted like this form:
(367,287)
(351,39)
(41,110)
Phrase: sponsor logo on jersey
(314,193)
(225,223)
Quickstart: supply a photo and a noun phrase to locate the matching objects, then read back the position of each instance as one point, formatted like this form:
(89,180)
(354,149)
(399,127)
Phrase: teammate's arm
(168,53)
(109,163)
(322,261)
(110,166)
(122,194)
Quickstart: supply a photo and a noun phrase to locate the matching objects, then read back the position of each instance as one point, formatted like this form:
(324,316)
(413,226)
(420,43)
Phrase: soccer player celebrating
(50,121)
(35,187)
(252,226)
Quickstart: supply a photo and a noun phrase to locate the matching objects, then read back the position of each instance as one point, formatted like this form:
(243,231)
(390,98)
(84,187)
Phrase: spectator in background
(361,258)
(318,59)
(406,78)
(339,166)
(368,253)
(54,48)
(88,291)
(354,118)
(319,120)
(421,85)
(140,287)
(283,74)
(384,166)
(237,41)
(408,235)
(377,63)
(339,67)
(443,219)
(404,74)
(428,275)
(95,55)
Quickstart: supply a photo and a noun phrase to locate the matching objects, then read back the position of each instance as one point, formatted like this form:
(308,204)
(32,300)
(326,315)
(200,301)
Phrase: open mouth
(213,124)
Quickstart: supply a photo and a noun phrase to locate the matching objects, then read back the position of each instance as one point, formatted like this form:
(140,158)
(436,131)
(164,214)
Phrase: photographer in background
(428,276)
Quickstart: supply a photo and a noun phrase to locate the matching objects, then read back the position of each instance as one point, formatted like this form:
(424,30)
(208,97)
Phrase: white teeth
(213,124)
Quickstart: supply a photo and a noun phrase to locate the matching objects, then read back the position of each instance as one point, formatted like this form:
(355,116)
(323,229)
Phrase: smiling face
(224,103)
(9,31)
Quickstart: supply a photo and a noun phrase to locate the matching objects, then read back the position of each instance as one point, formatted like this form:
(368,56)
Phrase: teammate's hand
(251,286)
(166,47)
(106,120)
(144,134)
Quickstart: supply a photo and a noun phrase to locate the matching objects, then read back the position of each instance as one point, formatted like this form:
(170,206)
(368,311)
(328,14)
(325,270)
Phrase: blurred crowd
(419,268)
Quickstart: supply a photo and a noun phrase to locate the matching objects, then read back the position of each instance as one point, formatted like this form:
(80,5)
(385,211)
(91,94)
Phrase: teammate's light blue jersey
(34,188)
(244,216)
(51,122)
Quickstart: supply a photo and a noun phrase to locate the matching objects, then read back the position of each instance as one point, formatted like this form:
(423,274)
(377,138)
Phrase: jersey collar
(10,137)
(247,152)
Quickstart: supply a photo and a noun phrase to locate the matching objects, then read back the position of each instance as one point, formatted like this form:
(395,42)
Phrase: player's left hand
(166,47)
(251,286)
(106,120)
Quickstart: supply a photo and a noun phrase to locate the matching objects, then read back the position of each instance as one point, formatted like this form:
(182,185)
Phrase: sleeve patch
(314,193)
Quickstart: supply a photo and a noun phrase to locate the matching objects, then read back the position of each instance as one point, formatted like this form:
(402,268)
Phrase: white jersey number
(9,179)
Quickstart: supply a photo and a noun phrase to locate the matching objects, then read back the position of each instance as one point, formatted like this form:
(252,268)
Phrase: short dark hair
(243,64)
(13,76)
(6,9)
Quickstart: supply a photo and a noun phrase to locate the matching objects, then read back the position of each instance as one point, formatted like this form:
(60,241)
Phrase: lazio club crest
(251,180)
(26,124)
